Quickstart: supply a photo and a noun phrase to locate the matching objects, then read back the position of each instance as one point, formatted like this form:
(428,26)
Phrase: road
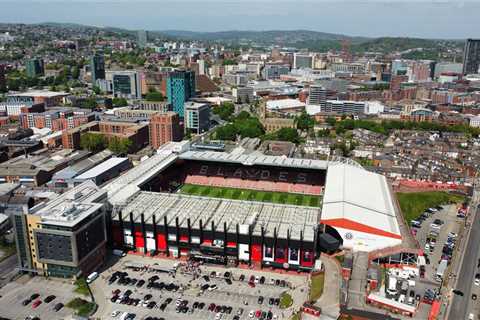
(459,305)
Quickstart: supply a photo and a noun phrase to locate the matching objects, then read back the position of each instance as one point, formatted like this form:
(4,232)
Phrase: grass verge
(316,288)
(252,195)
(286,300)
(414,204)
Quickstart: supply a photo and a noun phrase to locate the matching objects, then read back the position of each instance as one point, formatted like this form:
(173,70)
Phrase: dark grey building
(97,66)
(471,56)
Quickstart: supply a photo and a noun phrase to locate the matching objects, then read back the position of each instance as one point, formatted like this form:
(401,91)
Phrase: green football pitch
(251,195)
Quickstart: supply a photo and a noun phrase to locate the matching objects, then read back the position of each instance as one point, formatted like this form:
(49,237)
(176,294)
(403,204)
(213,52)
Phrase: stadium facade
(150,215)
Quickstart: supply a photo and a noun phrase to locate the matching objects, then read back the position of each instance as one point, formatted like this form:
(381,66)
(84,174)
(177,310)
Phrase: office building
(274,71)
(344,107)
(125,83)
(64,237)
(97,66)
(243,94)
(34,68)
(180,88)
(32,97)
(471,56)
(301,61)
(164,127)
(197,117)
(142,38)
(317,95)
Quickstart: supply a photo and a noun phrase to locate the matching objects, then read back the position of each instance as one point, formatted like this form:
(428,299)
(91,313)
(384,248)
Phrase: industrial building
(104,171)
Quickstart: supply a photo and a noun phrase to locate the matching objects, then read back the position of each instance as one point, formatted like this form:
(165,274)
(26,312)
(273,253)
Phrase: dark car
(140,283)
(163,306)
(34,296)
(201,305)
(277,301)
(228,281)
(49,299)
(260,300)
(262,280)
(168,300)
(271,301)
(58,307)
(458,292)
(206,278)
(151,305)
(26,302)
(227,274)
(147,297)
(205,287)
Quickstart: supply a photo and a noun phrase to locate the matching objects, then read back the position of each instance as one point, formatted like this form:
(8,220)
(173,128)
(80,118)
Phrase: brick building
(164,127)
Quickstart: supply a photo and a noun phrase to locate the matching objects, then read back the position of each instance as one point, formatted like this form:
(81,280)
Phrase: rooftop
(220,211)
(71,207)
(255,159)
(39,93)
(101,168)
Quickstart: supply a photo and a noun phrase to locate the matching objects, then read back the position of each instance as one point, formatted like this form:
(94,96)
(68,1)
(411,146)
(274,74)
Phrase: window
(268,252)
(280,253)
(293,254)
(307,256)
(172,237)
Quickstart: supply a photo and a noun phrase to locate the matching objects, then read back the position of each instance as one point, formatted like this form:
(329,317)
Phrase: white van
(92,276)
(392,286)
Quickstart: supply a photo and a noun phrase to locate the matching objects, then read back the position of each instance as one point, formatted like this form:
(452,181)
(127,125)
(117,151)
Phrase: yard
(414,204)
(252,195)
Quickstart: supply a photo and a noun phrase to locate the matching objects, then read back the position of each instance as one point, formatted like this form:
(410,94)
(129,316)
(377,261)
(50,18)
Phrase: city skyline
(423,19)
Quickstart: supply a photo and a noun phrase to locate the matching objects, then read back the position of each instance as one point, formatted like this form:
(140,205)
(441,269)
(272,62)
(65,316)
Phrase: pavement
(330,299)
(7,269)
(459,305)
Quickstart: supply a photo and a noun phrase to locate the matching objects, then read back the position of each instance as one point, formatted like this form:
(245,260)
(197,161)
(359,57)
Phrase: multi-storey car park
(151,212)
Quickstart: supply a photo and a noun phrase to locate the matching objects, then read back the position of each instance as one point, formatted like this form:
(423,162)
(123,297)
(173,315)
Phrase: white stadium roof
(359,205)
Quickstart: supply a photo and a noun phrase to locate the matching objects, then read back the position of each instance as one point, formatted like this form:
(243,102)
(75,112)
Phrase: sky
(444,19)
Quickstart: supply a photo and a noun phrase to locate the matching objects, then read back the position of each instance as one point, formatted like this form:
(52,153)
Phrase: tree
(119,102)
(288,134)
(96,89)
(225,111)
(331,121)
(92,142)
(89,103)
(227,132)
(304,121)
(119,146)
(154,96)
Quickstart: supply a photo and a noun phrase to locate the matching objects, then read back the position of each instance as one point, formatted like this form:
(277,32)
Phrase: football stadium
(228,208)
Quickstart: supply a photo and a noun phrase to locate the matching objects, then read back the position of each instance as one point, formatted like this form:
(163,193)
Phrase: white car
(471,316)
(452,235)
(251,314)
(257,279)
(218,316)
(212,287)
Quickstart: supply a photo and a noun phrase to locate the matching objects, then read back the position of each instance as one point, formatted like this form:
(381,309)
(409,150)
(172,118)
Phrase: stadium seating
(262,179)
